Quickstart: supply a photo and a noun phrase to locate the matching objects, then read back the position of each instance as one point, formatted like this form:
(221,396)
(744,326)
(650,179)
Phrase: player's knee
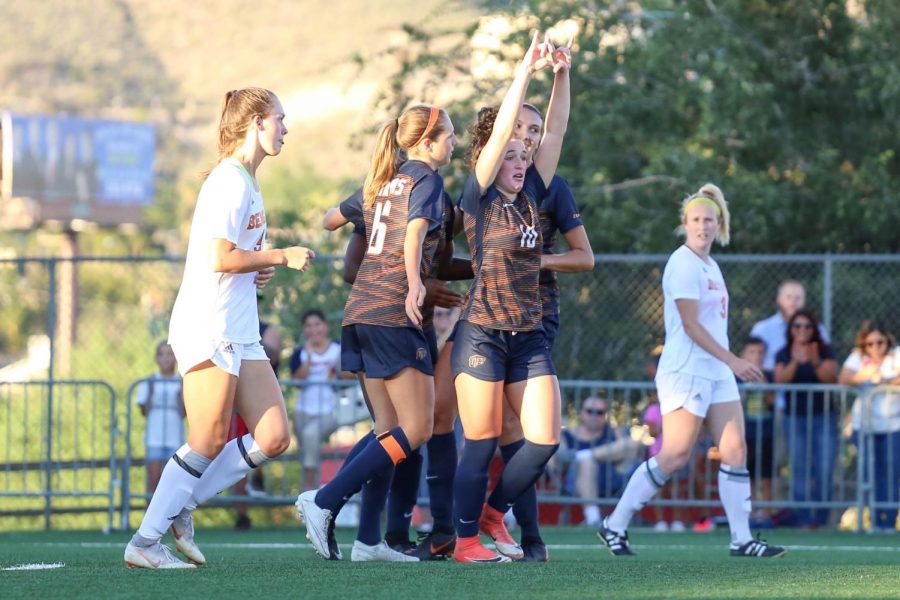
(274,444)
(673,460)
(734,453)
(418,433)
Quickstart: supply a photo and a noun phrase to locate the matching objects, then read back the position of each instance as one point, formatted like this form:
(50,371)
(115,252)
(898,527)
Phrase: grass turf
(279,563)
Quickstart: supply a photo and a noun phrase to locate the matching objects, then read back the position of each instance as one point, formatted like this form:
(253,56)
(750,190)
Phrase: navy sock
(357,448)
(525,508)
(374,495)
(520,473)
(442,462)
(471,484)
(388,449)
(404,492)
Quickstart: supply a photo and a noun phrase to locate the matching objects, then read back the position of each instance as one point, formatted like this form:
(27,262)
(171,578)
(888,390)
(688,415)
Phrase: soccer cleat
(399,541)
(379,552)
(157,556)
(535,550)
(333,547)
(437,545)
(319,525)
(758,548)
(615,541)
(471,550)
(183,534)
(491,523)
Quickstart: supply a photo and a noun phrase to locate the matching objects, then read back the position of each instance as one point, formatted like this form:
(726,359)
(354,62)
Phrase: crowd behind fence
(72,447)
(100,315)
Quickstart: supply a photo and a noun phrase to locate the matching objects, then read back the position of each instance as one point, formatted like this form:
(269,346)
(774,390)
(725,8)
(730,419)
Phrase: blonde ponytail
(384,162)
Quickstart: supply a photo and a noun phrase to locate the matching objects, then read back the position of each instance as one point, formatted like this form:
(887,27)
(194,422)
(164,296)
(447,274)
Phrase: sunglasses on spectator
(595,411)
(881,342)
(802,325)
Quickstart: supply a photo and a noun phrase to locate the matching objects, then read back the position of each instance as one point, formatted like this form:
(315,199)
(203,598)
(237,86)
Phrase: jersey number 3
(379,227)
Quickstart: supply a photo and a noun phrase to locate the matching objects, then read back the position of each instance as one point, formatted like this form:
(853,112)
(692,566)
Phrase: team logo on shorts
(228,348)
(421,353)
(476,360)
(529,236)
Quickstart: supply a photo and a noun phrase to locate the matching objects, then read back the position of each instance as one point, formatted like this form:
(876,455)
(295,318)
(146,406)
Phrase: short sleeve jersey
(352,209)
(687,276)
(558,214)
(379,292)
(318,396)
(220,306)
(505,242)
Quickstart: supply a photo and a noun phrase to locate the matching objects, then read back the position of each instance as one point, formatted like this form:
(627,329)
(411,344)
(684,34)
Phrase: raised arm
(488,163)
(334,219)
(547,157)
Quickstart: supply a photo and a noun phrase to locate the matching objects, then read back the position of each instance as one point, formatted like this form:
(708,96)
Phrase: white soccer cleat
(379,552)
(183,533)
(319,525)
(157,556)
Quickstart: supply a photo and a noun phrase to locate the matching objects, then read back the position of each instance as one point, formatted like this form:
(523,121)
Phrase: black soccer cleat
(399,541)
(615,541)
(437,545)
(535,550)
(758,548)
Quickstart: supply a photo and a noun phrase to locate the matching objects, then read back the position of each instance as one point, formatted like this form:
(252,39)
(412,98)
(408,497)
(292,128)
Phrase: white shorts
(225,355)
(694,393)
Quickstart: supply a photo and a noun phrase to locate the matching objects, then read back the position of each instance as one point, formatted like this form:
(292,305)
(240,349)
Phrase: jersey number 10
(379,227)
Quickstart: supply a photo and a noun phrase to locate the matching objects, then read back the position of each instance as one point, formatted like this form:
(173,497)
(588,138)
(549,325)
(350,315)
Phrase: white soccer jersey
(216,307)
(318,399)
(686,276)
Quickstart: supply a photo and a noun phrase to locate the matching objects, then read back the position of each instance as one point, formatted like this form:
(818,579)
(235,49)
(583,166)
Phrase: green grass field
(270,563)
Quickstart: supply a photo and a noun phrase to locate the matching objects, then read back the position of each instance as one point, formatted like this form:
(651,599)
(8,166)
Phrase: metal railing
(66,444)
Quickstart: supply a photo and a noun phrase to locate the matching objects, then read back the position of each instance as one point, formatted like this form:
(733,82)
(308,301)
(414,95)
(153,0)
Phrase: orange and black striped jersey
(505,241)
(379,292)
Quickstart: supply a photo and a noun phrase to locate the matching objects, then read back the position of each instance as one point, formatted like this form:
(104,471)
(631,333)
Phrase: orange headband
(432,119)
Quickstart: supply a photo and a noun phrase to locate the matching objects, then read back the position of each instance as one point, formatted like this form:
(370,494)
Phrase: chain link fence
(100,318)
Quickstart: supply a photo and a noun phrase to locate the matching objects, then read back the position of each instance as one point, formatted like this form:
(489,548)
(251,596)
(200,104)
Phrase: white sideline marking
(34,567)
(288,546)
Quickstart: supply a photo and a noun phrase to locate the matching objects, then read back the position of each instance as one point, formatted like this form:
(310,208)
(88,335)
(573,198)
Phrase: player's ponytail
(416,124)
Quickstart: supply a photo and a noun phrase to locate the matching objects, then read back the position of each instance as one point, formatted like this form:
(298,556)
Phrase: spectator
(317,362)
(593,457)
(876,362)
(160,401)
(759,422)
(811,422)
(791,298)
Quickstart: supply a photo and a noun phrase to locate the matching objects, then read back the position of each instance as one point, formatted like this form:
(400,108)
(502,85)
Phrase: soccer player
(499,346)
(214,332)
(383,336)
(559,214)
(696,381)
(442,446)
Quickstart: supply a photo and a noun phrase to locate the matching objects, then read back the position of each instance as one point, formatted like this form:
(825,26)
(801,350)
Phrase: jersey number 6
(379,227)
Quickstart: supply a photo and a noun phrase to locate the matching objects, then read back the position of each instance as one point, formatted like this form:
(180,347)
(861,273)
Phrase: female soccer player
(499,345)
(214,332)
(696,381)
(383,336)
(559,214)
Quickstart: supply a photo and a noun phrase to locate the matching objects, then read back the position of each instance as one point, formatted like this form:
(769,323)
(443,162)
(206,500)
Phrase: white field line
(598,546)
(34,567)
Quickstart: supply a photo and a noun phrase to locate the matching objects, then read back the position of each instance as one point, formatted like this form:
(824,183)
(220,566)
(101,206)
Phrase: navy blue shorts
(431,336)
(496,355)
(382,352)
(550,323)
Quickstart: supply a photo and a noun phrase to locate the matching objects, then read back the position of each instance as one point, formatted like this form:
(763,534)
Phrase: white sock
(179,478)
(734,491)
(591,514)
(643,485)
(230,466)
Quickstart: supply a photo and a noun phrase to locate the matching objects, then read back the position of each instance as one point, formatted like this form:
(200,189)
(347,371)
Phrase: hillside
(171,61)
